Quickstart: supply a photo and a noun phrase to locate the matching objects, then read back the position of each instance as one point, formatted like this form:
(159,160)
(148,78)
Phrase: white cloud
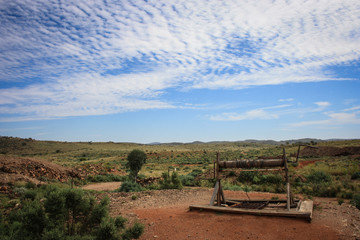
(322,106)
(286,100)
(87,94)
(352,109)
(63,52)
(249,115)
(332,119)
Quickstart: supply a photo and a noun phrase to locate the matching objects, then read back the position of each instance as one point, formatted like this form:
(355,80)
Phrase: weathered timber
(248,163)
(282,208)
(216,189)
(305,211)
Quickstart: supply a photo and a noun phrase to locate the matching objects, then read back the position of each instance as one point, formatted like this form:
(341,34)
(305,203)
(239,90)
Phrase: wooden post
(218,191)
(288,204)
(216,188)
(214,169)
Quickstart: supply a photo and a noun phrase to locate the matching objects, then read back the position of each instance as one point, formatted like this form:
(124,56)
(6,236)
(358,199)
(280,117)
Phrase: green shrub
(187,180)
(228,186)
(53,234)
(32,221)
(133,232)
(272,179)
(130,186)
(318,177)
(345,194)
(355,176)
(30,194)
(106,178)
(320,185)
(120,222)
(172,182)
(295,164)
(247,176)
(55,206)
(175,180)
(107,230)
(63,213)
(356,201)
(30,185)
(136,159)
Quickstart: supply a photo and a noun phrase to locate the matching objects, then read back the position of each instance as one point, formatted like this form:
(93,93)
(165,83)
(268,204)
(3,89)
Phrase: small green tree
(64,213)
(172,182)
(136,159)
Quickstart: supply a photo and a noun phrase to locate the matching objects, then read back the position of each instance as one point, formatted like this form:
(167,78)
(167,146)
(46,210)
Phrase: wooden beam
(304,212)
(216,189)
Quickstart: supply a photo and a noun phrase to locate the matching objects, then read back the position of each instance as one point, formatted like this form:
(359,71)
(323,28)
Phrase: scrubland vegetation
(59,212)
(174,165)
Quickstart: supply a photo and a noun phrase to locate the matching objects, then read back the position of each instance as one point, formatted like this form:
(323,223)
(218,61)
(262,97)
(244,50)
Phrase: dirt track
(166,215)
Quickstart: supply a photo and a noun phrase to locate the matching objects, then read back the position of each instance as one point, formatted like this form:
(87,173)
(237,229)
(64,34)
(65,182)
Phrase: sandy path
(106,186)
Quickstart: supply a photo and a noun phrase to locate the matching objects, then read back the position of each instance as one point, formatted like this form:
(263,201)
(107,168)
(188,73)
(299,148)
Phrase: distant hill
(15,142)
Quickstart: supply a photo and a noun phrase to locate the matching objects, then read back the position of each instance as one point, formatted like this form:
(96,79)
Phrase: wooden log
(255,170)
(258,163)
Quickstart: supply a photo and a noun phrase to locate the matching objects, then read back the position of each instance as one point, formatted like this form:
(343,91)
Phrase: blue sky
(164,71)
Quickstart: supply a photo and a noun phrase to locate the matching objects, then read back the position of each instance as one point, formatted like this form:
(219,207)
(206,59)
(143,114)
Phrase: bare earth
(107,186)
(166,215)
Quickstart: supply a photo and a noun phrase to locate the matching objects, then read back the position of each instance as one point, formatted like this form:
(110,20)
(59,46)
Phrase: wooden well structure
(288,207)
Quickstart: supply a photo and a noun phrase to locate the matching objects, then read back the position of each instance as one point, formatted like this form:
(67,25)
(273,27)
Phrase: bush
(120,222)
(272,179)
(345,193)
(247,176)
(318,177)
(31,221)
(356,201)
(107,230)
(231,187)
(105,178)
(187,180)
(320,185)
(355,176)
(30,194)
(133,232)
(175,180)
(136,159)
(130,186)
(63,213)
(172,182)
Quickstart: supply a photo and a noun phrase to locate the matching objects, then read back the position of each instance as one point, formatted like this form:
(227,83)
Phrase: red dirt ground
(166,215)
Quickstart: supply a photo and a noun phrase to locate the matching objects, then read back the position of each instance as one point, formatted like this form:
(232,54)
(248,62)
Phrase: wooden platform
(303,210)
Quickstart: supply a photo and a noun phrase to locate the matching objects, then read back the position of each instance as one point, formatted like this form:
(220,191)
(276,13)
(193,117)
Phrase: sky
(179,71)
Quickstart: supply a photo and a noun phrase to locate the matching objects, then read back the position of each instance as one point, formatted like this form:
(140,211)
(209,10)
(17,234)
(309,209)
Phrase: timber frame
(286,208)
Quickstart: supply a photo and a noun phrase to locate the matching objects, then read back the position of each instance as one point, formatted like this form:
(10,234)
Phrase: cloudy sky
(163,71)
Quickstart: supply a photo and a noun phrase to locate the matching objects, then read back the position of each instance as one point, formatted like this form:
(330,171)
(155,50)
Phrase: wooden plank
(307,206)
(216,189)
(288,205)
(264,212)
(262,200)
(222,196)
